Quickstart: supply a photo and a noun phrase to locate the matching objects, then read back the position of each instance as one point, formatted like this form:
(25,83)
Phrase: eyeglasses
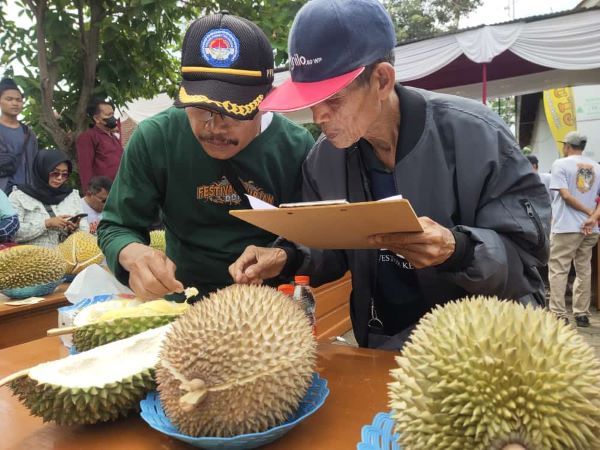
(59,174)
(206,115)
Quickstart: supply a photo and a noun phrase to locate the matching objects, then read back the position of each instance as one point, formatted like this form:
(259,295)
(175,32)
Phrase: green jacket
(165,171)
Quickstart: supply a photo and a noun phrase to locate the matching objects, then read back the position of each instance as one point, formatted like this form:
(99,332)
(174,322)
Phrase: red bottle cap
(287,289)
(302,279)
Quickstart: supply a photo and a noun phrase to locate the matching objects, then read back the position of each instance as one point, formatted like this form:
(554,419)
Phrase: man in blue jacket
(484,212)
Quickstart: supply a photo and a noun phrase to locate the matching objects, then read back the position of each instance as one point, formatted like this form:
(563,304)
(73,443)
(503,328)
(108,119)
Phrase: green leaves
(137,47)
(417,19)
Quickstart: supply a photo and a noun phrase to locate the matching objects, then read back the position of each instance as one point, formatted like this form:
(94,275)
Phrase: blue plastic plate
(379,435)
(153,414)
(32,291)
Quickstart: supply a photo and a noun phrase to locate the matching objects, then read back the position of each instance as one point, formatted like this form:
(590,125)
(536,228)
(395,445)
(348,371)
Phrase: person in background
(99,149)
(46,204)
(545,177)
(485,215)
(9,220)
(194,163)
(92,203)
(18,144)
(575,213)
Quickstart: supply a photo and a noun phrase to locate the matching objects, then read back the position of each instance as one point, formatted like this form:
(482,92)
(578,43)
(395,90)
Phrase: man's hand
(151,273)
(588,226)
(256,264)
(431,247)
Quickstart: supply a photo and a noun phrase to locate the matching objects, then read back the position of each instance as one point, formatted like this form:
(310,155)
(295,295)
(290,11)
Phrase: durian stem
(14,376)
(60,331)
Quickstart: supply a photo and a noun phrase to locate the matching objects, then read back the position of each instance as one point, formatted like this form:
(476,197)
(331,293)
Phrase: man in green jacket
(193,163)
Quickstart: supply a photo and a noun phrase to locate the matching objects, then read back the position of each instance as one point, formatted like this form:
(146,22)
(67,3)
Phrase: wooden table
(357,380)
(19,324)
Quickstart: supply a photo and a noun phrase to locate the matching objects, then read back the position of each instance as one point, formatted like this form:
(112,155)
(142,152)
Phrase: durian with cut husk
(80,250)
(99,385)
(108,321)
(239,361)
(29,265)
(158,240)
(483,373)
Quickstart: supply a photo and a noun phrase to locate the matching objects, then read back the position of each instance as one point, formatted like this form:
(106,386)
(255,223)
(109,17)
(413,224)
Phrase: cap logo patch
(220,47)
(297,60)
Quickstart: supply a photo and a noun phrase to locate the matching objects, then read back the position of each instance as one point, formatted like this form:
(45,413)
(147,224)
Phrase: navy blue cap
(330,43)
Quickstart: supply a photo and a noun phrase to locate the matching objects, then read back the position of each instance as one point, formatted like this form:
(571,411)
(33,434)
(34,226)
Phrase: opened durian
(238,361)
(108,321)
(29,265)
(80,250)
(158,240)
(99,385)
(481,373)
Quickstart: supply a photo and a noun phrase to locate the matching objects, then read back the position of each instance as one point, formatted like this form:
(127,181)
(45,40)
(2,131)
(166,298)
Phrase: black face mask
(110,122)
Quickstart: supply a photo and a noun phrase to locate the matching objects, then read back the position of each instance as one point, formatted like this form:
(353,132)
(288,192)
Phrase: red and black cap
(226,66)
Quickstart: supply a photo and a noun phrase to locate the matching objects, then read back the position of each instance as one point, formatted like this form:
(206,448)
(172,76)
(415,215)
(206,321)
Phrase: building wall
(587,105)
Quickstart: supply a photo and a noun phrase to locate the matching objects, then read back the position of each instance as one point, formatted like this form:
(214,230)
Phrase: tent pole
(484,84)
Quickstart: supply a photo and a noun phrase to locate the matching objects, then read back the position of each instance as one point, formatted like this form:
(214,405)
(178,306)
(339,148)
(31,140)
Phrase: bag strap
(49,210)
(235,182)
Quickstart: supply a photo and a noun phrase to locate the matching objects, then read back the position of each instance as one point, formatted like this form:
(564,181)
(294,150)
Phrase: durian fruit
(29,265)
(99,385)
(239,361)
(80,250)
(105,322)
(482,373)
(158,240)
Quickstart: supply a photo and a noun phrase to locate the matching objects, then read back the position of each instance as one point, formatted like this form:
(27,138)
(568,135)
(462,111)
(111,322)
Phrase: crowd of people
(485,213)
(37,204)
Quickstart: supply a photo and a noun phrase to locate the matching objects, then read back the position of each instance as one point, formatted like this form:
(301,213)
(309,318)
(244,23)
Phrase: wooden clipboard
(344,226)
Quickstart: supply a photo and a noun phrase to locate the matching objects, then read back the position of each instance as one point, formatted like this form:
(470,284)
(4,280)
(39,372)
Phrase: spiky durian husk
(480,370)
(158,240)
(80,250)
(76,403)
(93,335)
(80,406)
(253,350)
(29,265)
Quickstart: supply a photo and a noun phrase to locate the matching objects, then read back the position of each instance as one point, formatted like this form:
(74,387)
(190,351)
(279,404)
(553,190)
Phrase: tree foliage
(122,49)
(417,19)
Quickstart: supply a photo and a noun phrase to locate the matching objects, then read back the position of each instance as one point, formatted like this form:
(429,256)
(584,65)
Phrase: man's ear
(384,79)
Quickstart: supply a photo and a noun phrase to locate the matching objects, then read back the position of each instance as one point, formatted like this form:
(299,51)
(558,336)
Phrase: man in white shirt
(575,215)
(93,202)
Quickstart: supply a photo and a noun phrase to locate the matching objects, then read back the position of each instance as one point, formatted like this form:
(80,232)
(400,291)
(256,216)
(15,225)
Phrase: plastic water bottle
(305,298)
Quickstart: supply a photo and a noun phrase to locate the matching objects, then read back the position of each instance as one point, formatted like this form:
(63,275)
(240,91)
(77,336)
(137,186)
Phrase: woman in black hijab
(48,202)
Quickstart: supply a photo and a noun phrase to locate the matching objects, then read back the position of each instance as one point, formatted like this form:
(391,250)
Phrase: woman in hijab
(46,204)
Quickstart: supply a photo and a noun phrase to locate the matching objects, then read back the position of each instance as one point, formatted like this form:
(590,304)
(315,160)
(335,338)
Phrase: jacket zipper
(536,221)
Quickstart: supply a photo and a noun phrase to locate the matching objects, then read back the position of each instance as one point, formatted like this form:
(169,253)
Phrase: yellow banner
(559,106)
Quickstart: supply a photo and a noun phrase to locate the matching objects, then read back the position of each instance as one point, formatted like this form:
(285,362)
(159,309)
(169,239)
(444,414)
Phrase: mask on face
(110,122)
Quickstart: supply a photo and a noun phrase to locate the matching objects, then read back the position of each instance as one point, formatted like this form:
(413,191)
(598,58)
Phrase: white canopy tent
(519,57)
